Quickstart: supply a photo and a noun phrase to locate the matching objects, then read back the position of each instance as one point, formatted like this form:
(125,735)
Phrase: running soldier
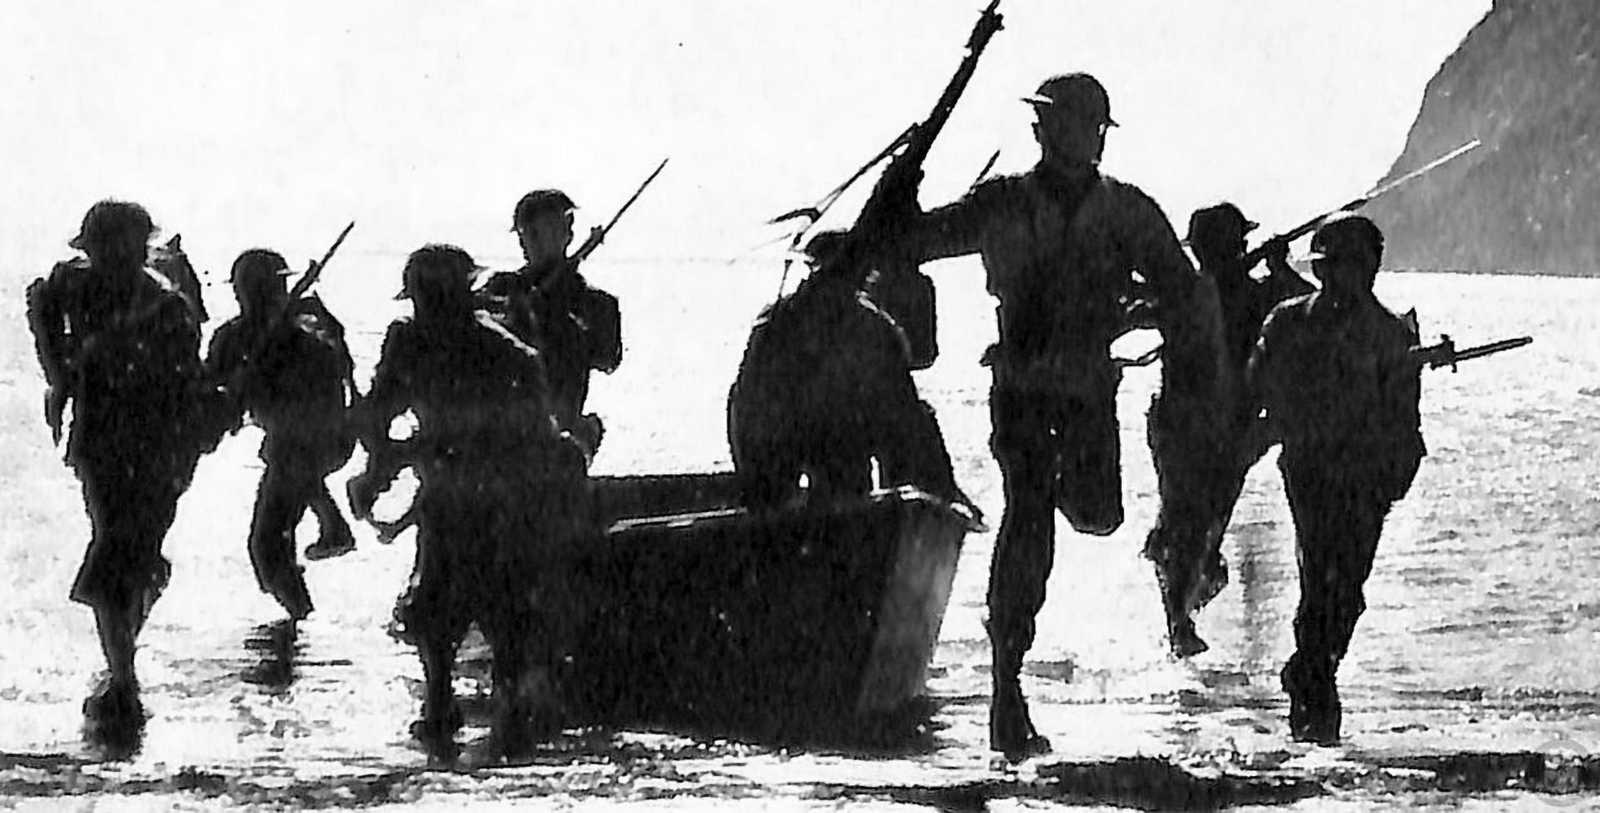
(549,305)
(287,365)
(1062,244)
(1335,373)
(121,343)
(1200,475)
(501,499)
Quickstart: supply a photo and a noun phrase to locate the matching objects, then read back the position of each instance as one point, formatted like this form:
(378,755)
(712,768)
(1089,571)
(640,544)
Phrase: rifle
(898,183)
(1445,353)
(299,289)
(906,294)
(599,235)
(314,273)
(1254,255)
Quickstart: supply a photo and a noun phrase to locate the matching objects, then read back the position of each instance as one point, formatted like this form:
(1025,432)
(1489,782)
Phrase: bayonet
(596,238)
(314,273)
(1446,354)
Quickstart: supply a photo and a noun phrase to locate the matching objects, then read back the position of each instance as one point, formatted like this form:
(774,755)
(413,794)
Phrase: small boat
(820,614)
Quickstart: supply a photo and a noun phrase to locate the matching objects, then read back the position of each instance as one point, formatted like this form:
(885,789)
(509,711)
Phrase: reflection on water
(276,648)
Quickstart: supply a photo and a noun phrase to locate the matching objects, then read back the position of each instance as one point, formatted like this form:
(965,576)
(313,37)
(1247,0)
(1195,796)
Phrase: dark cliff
(1526,81)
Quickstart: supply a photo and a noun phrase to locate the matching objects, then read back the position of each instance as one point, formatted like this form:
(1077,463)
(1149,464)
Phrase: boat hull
(819,613)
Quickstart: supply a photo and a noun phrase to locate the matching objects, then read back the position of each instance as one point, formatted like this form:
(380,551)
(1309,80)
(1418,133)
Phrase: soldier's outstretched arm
(954,229)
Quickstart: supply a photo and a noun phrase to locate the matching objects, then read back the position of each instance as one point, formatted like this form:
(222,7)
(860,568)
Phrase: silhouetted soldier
(1335,374)
(122,344)
(1199,473)
(1061,244)
(502,497)
(825,389)
(549,305)
(287,364)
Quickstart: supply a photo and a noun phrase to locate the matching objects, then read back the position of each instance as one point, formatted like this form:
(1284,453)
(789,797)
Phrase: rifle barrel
(310,277)
(637,193)
(1254,255)
(1493,347)
(588,248)
(1445,353)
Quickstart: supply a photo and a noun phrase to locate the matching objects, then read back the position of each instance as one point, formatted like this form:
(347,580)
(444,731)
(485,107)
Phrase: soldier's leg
(1337,524)
(1176,544)
(1364,514)
(913,451)
(124,572)
(1247,451)
(1023,553)
(436,623)
(333,532)
(280,502)
(1087,489)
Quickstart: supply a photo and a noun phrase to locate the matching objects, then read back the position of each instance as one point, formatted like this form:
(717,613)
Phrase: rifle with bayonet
(597,236)
(1255,255)
(1446,354)
(901,288)
(287,312)
(314,273)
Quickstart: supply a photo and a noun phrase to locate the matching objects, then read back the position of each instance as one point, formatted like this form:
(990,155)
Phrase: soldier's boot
(334,537)
(1011,730)
(1175,585)
(441,715)
(114,703)
(328,545)
(1315,713)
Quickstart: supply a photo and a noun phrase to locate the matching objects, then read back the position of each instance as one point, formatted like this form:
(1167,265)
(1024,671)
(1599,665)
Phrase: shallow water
(1480,633)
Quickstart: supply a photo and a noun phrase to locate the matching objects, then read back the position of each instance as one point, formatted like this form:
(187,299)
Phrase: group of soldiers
(1075,259)
(497,376)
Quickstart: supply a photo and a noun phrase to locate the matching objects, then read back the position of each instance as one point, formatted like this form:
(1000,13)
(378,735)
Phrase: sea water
(1481,630)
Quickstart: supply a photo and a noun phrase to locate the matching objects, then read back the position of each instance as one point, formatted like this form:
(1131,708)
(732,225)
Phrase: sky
(274,124)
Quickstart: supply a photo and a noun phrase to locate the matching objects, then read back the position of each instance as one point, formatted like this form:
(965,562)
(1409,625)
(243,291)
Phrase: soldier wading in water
(286,363)
(502,497)
(1061,244)
(121,343)
(1335,372)
(1200,473)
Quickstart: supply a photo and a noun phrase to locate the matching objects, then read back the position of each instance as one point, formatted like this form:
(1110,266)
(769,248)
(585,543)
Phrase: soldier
(549,305)
(121,343)
(502,495)
(825,387)
(1200,475)
(1061,244)
(1335,374)
(287,364)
